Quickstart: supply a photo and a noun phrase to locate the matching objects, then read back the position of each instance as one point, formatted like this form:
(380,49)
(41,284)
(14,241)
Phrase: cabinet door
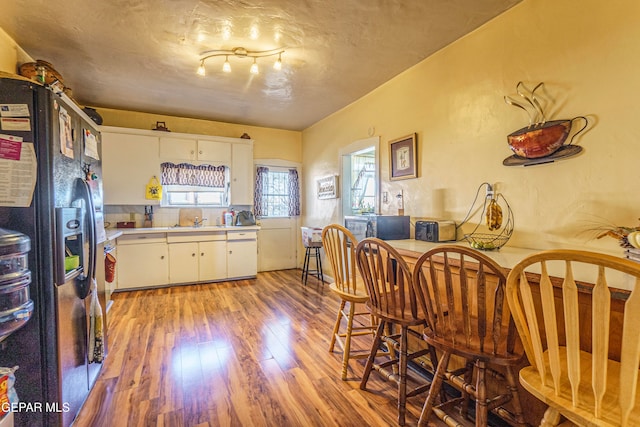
(215,152)
(128,163)
(183,262)
(142,265)
(178,148)
(242,174)
(242,258)
(213,261)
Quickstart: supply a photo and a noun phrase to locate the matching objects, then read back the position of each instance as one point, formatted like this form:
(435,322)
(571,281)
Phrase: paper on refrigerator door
(66,137)
(14,110)
(18,177)
(90,145)
(15,123)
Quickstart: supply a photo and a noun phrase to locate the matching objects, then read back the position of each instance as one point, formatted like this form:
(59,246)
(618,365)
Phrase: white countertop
(113,233)
(204,229)
(508,256)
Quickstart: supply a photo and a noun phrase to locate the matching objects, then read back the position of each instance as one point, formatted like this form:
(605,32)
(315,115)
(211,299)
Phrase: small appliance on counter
(436,231)
(244,218)
(385,227)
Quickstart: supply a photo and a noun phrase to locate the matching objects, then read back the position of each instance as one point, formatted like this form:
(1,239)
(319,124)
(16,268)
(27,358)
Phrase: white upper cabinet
(195,150)
(242,174)
(178,148)
(129,161)
(210,150)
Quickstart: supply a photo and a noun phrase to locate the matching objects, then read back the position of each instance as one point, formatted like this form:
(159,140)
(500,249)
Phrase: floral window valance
(188,174)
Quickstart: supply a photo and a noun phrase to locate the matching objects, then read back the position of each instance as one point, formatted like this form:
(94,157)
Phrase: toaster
(436,231)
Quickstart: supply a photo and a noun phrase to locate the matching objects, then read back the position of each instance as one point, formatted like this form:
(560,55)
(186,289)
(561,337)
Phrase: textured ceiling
(142,55)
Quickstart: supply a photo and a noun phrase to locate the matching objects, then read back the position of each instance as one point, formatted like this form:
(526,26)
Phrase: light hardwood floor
(242,353)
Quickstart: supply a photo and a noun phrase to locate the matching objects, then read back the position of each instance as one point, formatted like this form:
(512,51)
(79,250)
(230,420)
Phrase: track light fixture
(240,52)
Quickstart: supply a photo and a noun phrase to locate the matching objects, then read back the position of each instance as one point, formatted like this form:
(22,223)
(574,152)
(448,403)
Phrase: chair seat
(583,413)
(359,297)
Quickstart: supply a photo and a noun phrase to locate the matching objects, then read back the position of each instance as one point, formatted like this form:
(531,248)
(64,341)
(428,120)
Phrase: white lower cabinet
(197,256)
(213,261)
(157,259)
(143,261)
(183,262)
(242,253)
(197,262)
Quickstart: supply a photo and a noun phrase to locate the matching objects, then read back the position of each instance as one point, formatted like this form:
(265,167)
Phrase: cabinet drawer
(135,239)
(242,235)
(196,236)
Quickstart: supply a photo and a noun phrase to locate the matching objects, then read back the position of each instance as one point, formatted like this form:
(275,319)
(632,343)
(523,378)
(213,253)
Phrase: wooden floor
(242,353)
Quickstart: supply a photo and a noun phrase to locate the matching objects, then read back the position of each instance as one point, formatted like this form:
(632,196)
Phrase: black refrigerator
(51,191)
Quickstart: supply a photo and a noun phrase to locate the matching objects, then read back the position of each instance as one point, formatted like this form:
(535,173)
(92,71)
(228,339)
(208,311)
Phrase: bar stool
(312,242)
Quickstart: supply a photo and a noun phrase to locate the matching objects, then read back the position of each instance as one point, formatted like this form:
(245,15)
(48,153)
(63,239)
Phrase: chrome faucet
(197,223)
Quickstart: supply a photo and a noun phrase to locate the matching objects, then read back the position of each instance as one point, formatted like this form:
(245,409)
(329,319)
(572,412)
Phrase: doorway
(361,177)
(277,237)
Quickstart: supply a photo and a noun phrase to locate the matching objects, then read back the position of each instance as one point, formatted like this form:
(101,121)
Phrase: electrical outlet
(490,191)
(385,197)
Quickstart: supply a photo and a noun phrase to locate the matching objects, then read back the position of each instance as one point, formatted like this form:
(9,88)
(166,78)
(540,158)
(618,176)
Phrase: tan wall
(588,55)
(269,143)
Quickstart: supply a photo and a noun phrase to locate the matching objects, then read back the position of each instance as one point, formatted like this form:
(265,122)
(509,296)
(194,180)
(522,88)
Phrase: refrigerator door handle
(83,192)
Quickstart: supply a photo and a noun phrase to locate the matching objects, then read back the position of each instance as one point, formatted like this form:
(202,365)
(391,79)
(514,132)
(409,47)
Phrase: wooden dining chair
(579,379)
(340,248)
(462,291)
(387,279)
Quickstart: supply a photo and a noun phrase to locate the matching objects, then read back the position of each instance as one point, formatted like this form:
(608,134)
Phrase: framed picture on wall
(403,163)
(327,187)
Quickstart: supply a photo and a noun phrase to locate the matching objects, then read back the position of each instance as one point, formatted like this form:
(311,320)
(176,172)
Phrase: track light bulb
(278,64)
(254,67)
(226,67)
(201,70)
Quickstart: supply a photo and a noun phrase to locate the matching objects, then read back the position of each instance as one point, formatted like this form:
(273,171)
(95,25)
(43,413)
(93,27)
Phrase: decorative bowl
(487,242)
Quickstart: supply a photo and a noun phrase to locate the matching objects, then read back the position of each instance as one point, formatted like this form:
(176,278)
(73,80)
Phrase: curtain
(188,174)
(294,193)
(259,206)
